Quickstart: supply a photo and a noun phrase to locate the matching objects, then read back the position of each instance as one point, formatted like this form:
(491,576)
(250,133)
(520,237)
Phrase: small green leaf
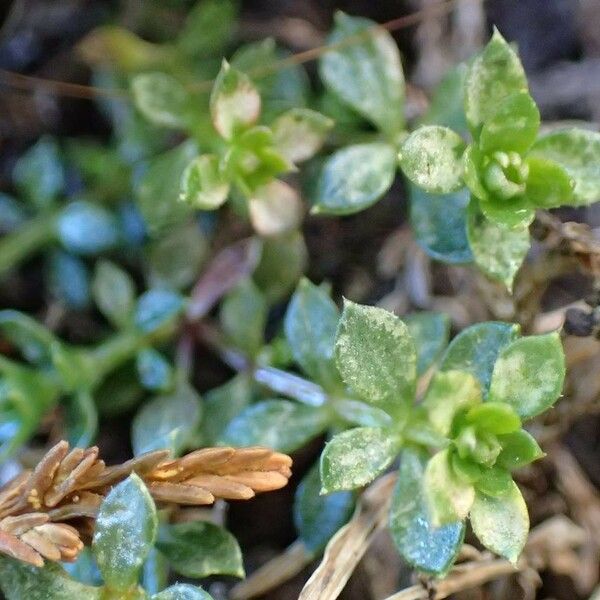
(316,517)
(498,251)
(162,99)
(448,498)
(375,355)
(199,549)
(529,374)
(360,413)
(354,177)
(81,419)
(494,417)
(549,185)
(282,425)
(476,348)
(282,263)
(578,152)
(310,327)
(156,308)
(299,133)
(68,279)
(431,157)
(174,259)
(449,393)
(86,229)
(125,531)
(167,421)
(202,185)
(439,224)
(501,524)
(208,28)
(355,457)
(154,370)
(19,581)
(424,546)
(39,173)
(494,74)
(30,337)
(158,189)
(182,591)
(114,292)
(447,103)
(366,74)
(519,448)
(155,572)
(430,332)
(243,317)
(234,102)
(512,127)
(275,208)
(495,482)
(221,405)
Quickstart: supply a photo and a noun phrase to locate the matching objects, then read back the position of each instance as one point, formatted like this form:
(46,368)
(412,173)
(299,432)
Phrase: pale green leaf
(243,317)
(20,581)
(431,157)
(310,327)
(354,177)
(549,185)
(529,374)
(167,421)
(494,74)
(182,591)
(355,457)
(449,393)
(282,425)
(299,133)
(498,251)
(519,448)
(448,498)
(367,73)
(275,208)
(234,102)
(512,127)
(125,531)
(202,185)
(375,354)
(501,524)
(577,151)
(426,547)
(162,99)
(114,292)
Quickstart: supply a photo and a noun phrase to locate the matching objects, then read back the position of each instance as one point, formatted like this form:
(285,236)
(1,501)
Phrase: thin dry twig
(348,545)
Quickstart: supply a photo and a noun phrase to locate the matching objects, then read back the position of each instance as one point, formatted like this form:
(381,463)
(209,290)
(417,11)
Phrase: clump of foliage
(381,389)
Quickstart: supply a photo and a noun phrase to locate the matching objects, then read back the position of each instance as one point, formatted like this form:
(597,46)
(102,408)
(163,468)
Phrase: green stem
(114,351)
(22,243)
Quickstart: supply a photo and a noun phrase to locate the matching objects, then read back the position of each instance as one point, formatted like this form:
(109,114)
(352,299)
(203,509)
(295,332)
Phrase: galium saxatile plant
(478,166)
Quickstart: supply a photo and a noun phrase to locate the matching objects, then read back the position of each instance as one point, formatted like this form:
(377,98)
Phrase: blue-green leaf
(430,332)
(114,292)
(424,546)
(156,308)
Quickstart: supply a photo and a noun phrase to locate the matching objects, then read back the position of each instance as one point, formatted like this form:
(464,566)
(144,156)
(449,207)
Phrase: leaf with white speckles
(578,152)
(529,374)
(376,357)
(355,457)
(495,74)
(125,531)
(498,251)
(476,348)
(431,157)
(448,498)
(501,523)
(427,548)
